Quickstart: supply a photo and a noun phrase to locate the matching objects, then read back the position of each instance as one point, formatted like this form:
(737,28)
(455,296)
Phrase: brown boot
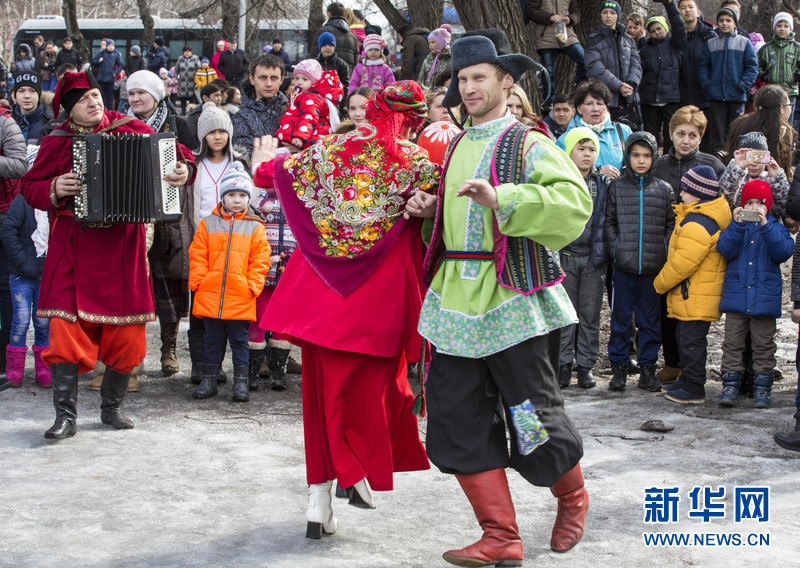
(668,375)
(133,382)
(490,498)
(573,502)
(169,348)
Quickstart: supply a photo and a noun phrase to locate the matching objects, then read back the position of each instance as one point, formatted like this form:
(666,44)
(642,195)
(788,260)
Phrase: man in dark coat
(158,56)
(233,63)
(415,50)
(263,104)
(109,63)
(346,42)
(68,54)
(278,51)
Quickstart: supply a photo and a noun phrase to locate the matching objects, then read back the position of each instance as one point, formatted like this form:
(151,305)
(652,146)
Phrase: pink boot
(43,378)
(15,364)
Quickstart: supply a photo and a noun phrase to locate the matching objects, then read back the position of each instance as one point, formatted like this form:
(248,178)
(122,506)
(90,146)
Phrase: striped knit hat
(235,179)
(701,182)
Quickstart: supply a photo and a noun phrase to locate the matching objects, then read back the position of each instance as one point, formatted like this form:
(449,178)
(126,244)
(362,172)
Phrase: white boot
(319,513)
(360,495)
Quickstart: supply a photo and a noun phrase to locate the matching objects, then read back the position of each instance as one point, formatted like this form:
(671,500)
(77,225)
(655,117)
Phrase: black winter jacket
(15,234)
(233,64)
(690,90)
(639,216)
(661,62)
(72,56)
(671,169)
(336,63)
(135,63)
(611,56)
(592,241)
(346,43)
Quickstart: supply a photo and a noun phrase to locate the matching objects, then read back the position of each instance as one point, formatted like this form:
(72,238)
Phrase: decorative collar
(488,129)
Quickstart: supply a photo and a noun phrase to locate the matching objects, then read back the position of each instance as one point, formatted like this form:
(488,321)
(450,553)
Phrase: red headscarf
(71,88)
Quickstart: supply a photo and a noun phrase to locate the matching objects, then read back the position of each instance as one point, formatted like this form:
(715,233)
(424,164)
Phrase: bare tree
(396,19)
(69,9)
(315,20)
(147,22)
(426,13)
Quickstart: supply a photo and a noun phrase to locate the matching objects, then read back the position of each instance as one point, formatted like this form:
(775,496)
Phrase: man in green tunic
(508,199)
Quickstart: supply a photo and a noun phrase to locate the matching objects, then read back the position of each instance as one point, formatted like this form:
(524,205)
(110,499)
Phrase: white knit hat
(783,17)
(212,118)
(147,81)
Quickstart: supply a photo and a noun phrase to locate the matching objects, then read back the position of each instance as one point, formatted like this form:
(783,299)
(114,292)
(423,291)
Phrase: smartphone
(750,215)
(757,157)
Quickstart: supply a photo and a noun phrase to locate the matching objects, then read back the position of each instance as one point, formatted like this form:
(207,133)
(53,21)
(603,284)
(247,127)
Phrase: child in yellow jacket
(692,277)
(204,75)
(229,260)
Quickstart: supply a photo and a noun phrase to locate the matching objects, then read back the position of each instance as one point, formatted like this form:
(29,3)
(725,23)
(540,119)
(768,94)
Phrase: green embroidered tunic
(466,312)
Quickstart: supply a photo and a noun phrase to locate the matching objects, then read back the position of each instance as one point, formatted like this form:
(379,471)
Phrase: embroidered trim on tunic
(117,320)
(53,196)
(510,323)
(504,213)
(54,313)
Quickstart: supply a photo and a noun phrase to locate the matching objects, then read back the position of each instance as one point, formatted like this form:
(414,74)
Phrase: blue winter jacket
(727,68)
(15,233)
(612,147)
(110,66)
(753,279)
(661,62)
(158,58)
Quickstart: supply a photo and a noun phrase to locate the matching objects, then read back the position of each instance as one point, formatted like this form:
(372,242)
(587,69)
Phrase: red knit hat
(757,189)
(71,88)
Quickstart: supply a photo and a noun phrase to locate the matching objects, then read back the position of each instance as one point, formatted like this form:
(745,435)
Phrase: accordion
(123,178)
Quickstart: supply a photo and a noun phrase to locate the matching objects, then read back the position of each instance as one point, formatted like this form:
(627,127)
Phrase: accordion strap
(114,125)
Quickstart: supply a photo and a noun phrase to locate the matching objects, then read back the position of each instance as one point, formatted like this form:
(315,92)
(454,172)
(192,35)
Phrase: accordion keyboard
(170,197)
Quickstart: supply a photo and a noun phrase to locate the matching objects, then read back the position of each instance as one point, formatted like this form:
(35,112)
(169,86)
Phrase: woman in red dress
(351,295)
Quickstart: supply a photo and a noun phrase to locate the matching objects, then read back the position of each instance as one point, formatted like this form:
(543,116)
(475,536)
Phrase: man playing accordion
(96,282)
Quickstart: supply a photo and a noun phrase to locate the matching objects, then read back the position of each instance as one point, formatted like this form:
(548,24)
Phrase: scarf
(434,67)
(157,119)
(600,126)
(344,200)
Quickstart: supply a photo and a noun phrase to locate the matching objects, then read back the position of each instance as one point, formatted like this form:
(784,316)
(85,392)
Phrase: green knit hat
(577,134)
(657,19)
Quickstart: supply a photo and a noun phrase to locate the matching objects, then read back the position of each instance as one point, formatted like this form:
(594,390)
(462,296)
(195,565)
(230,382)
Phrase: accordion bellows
(123,178)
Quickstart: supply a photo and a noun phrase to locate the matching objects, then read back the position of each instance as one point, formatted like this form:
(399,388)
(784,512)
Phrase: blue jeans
(25,298)
(634,293)
(574,52)
(49,84)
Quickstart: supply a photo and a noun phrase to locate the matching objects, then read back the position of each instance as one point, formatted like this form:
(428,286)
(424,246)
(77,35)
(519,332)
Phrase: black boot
(585,378)
(277,368)
(208,387)
(112,393)
(65,399)
(4,383)
(256,357)
(648,379)
(196,355)
(564,375)
(222,377)
(240,392)
(617,382)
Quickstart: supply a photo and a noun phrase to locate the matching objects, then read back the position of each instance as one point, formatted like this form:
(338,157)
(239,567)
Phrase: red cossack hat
(71,88)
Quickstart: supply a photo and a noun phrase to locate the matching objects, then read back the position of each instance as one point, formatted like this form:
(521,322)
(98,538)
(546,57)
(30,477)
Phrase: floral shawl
(344,199)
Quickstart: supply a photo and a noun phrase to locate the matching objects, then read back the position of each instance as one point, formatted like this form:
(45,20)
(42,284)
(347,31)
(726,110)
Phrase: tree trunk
(315,20)
(69,9)
(505,15)
(564,81)
(147,21)
(426,13)
(230,18)
(395,18)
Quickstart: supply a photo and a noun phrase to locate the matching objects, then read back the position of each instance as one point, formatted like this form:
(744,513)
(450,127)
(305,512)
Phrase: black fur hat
(476,49)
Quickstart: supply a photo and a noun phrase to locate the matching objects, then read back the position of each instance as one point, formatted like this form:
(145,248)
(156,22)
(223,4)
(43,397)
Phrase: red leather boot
(573,502)
(500,544)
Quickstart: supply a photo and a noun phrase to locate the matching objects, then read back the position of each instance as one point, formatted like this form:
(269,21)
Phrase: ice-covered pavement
(213,483)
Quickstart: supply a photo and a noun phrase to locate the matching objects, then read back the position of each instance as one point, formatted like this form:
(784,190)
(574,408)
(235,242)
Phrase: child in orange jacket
(229,260)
